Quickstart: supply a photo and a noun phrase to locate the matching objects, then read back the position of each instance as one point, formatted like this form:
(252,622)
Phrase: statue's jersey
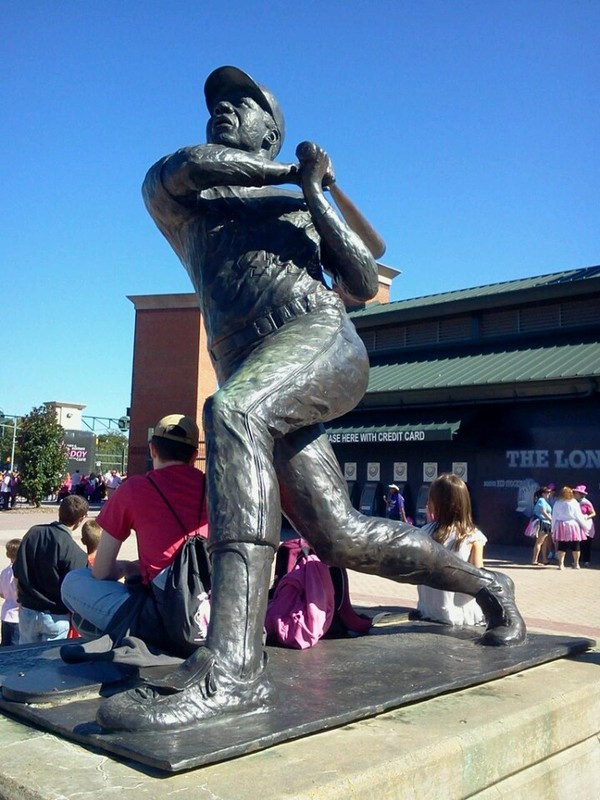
(247,250)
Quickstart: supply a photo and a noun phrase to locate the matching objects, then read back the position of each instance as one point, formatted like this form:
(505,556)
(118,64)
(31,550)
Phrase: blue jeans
(40,626)
(95,600)
(10,634)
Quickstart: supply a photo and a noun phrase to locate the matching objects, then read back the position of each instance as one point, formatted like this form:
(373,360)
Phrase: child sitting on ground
(90,538)
(449,509)
(8,591)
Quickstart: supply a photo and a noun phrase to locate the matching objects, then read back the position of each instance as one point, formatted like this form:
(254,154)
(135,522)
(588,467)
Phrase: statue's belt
(263,326)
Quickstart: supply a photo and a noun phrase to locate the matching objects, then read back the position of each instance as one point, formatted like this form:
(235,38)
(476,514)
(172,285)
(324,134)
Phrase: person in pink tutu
(589,512)
(569,526)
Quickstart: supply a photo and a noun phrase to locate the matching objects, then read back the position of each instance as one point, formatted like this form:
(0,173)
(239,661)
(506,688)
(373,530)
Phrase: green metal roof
(550,362)
(572,276)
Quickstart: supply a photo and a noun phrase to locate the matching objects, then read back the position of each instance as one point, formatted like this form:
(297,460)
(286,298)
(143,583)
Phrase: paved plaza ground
(551,600)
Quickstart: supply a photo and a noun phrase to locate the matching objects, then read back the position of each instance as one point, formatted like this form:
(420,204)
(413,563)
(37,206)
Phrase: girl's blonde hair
(449,503)
(566,493)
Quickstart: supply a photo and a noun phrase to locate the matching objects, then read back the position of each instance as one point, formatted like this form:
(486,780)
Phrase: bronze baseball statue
(287,359)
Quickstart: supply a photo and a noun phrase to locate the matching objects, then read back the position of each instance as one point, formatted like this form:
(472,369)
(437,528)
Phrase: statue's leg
(276,389)
(227,674)
(313,369)
(315,499)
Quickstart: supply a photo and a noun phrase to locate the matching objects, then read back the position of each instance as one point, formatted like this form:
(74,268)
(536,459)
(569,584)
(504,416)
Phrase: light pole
(14,418)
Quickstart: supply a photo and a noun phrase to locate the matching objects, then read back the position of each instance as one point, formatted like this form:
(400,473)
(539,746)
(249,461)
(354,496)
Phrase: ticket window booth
(371,499)
(354,493)
(405,491)
(421,507)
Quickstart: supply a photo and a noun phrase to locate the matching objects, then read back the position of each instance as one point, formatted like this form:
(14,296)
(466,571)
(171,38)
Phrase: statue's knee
(210,411)
(220,408)
(413,543)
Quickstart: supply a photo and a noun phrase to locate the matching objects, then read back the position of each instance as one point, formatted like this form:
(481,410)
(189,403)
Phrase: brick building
(172,373)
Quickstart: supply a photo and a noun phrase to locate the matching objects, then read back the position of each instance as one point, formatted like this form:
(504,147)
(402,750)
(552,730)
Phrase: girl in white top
(449,509)
(8,591)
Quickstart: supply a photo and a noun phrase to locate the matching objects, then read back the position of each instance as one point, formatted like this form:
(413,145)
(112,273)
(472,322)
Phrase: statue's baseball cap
(222,79)
(178,428)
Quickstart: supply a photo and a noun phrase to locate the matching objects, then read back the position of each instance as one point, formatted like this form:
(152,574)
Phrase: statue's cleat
(505,625)
(185,698)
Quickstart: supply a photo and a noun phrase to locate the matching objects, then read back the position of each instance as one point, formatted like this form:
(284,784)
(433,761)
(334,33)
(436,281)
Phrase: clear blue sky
(467,131)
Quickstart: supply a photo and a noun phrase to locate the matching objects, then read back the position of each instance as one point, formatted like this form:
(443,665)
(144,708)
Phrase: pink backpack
(309,599)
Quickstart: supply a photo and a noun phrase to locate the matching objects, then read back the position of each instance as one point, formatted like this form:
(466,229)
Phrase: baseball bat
(357,222)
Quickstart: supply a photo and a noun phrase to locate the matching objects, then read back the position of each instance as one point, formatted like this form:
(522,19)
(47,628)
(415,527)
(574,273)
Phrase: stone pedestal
(533,735)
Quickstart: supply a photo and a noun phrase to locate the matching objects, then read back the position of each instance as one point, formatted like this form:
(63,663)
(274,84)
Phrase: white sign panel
(400,471)
(373,471)
(350,470)
(461,468)
(430,471)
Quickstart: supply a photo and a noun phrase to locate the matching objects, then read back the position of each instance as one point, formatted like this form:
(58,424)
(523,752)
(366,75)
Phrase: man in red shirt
(162,508)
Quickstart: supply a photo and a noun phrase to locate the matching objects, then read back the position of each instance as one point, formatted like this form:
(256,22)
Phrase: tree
(42,452)
(112,443)
(111,450)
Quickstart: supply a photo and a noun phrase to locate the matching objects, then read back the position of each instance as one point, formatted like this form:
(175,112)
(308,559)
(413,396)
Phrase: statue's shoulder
(163,207)
(153,182)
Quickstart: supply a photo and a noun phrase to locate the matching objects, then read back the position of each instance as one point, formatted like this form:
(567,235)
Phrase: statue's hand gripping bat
(314,157)
(357,222)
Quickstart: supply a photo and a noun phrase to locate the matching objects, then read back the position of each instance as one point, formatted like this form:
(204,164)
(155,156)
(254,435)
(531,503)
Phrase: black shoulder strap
(170,507)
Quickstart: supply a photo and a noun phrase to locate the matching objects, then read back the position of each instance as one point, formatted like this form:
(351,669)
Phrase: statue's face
(238,121)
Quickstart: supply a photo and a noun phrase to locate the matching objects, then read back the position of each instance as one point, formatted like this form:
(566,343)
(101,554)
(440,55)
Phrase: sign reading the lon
(558,459)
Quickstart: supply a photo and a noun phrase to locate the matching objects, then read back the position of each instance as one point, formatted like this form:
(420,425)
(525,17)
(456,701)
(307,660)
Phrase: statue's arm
(174,184)
(192,169)
(343,253)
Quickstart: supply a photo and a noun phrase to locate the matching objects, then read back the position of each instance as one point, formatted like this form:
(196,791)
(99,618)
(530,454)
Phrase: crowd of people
(30,586)
(562,523)
(10,483)
(55,576)
(96,487)
(52,583)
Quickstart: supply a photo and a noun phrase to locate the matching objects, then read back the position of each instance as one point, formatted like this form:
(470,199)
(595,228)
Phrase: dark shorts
(566,547)
(545,528)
